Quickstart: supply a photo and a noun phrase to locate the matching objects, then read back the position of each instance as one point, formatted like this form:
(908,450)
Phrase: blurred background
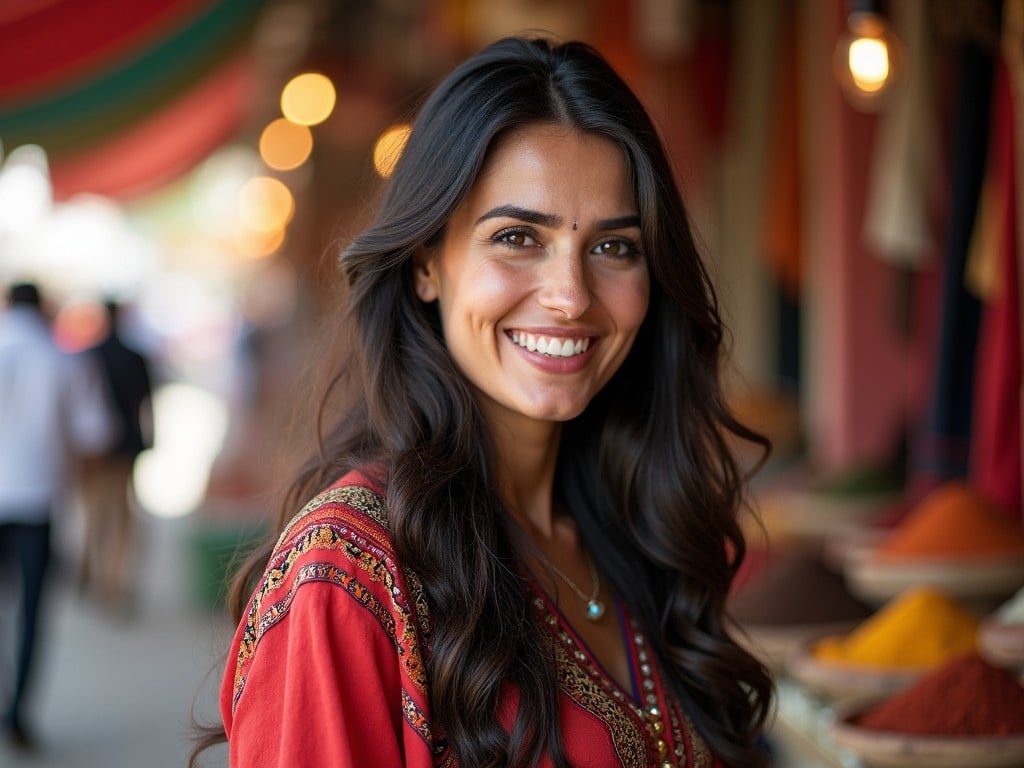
(850,168)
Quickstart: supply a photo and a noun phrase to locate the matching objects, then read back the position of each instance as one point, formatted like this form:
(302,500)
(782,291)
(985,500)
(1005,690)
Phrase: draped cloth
(328,668)
(897,222)
(942,446)
(996,437)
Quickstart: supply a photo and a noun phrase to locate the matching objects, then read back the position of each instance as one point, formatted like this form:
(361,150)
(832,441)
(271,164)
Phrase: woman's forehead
(555,166)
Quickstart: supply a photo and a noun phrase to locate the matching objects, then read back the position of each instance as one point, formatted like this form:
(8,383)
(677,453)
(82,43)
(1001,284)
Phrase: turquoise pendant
(595,610)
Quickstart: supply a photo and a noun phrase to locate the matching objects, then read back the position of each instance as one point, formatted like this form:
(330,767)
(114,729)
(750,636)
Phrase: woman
(529,528)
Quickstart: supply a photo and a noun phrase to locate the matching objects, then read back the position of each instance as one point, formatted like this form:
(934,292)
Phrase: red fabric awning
(50,44)
(164,145)
(124,95)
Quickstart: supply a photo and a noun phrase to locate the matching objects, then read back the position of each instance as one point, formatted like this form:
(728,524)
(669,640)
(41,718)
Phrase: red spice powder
(964,697)
(954,520)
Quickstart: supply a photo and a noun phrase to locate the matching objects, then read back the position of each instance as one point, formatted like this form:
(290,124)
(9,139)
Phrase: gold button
(666,764)
(662,749)
(653,714)
(658,727)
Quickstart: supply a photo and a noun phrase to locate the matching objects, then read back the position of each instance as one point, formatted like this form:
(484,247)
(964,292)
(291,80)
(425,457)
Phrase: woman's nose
(564,287)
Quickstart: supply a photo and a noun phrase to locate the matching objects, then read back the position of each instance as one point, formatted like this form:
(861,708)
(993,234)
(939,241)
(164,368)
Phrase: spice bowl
(1002,644)
(845,682)
(886,749)
(975,580)
(844,544)
(806,514)
(773,644)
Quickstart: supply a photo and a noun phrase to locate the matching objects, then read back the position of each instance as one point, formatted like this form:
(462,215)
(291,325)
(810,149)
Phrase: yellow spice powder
(918,629)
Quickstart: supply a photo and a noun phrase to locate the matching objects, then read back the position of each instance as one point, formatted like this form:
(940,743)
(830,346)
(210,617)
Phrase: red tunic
(327,667)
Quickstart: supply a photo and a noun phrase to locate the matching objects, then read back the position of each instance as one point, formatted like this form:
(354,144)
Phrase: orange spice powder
(953,520)
(919,629)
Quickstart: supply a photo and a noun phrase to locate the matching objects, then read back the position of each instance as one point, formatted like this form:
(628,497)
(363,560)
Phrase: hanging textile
(996,437)
(897,223)
(781,227)
(941,448)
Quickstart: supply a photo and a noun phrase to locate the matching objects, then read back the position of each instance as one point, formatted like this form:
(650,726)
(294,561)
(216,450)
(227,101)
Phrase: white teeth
(552,347)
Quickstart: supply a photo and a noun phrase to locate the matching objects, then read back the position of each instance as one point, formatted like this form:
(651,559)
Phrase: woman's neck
(526,474)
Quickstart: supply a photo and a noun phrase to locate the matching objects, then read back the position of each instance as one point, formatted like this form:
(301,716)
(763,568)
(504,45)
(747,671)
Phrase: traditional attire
(327,667)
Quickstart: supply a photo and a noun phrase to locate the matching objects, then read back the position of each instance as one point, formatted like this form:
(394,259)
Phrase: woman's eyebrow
(551,220)
(620,222)
(523,214)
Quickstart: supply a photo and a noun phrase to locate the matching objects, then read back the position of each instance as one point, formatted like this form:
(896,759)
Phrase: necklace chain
(595,608)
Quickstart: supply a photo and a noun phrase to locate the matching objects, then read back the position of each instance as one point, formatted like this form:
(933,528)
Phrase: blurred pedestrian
(107,488)
(52,409)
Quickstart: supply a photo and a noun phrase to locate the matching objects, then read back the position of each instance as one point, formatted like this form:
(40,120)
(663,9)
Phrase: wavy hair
(646,469)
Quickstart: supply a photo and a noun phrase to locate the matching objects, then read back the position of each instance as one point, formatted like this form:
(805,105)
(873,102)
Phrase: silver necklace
(595,607)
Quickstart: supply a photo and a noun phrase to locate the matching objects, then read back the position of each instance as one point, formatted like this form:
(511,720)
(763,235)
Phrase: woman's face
(540,279)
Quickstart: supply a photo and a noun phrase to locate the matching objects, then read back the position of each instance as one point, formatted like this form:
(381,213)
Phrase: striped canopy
(124,95)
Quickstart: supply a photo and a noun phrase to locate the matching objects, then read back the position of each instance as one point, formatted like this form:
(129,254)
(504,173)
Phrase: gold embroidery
(322,525)
(702,757)
(581,680)
(583,687)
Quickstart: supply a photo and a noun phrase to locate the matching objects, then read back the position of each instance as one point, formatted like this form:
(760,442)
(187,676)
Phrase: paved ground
(117,692)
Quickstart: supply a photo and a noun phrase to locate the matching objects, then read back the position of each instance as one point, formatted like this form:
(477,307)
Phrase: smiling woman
(537,315)
(515,545)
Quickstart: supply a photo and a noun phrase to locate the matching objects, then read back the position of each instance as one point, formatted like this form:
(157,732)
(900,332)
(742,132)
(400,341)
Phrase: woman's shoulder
(352,505)
(341,537)
(335,559)
(339,544)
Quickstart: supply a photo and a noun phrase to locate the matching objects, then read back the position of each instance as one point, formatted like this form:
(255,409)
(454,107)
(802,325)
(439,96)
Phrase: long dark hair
(646,469)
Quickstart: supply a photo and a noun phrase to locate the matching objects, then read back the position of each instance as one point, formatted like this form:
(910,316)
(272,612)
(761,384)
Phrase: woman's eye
(617,249)
(515,238)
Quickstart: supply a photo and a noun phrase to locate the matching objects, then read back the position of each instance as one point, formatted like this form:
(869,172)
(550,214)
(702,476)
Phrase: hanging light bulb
(867,57)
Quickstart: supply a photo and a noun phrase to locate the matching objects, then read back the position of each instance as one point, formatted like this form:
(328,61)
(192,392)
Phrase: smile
(550,345)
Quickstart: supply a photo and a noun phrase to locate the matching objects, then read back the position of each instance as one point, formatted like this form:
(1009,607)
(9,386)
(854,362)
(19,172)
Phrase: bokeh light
(25,191)
(265,204)
(252,244)
(190,425)
(389,148)
(285,145)
(869,63)
(308,99)
(867,60)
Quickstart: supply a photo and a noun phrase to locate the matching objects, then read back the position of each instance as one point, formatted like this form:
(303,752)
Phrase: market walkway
(117,692)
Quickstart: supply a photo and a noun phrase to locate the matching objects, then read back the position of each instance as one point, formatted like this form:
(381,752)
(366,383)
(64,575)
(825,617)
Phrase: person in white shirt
(52,409)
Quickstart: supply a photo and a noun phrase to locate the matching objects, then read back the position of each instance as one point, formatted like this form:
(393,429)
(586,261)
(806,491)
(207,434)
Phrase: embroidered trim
(418,721)
(700,753)
(320,526)
(590,688)
(586,687)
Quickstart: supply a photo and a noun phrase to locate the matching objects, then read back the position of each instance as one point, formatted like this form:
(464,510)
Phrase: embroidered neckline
(652,716)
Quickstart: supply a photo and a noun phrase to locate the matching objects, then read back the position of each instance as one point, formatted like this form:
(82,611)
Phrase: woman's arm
(323,688)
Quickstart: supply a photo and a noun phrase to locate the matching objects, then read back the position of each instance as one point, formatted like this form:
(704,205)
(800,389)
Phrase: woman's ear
(424,273)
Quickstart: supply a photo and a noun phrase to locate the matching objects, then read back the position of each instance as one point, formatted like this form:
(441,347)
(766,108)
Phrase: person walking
(107,486)
(52,409)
